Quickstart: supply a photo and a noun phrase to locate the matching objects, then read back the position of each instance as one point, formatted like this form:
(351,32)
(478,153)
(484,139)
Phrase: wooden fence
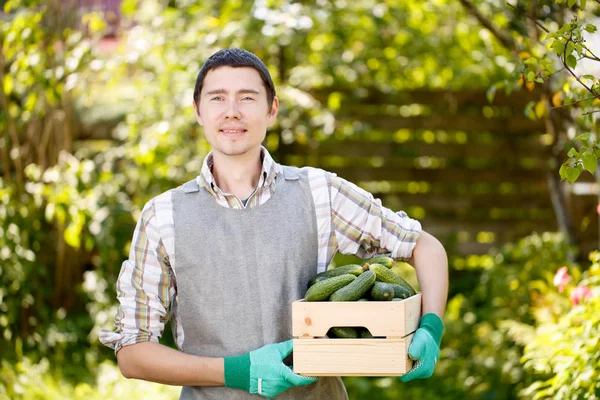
(475,174)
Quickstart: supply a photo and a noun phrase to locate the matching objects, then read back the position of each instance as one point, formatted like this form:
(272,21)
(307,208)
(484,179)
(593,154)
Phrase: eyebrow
(223,91)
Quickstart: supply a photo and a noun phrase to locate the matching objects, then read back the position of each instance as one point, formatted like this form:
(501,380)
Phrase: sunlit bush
(564,350)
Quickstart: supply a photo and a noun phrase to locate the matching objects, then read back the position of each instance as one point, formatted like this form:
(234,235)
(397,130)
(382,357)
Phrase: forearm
(154,362)
(431,263)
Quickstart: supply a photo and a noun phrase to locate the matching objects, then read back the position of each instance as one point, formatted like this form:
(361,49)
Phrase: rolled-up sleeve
(364,227)
(144,288)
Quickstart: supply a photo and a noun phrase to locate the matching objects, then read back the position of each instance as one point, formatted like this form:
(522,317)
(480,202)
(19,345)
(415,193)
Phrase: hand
(425,348)
(263,372)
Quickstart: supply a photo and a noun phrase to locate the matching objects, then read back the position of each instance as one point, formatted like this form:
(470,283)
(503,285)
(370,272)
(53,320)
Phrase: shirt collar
(267,176)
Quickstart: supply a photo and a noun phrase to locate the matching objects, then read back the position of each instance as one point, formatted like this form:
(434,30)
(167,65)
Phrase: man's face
(233,110)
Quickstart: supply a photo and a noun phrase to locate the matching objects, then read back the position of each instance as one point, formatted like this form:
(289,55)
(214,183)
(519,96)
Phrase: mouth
(233,132)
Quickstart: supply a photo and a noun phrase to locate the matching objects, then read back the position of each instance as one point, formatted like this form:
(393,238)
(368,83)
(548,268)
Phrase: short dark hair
(236,58)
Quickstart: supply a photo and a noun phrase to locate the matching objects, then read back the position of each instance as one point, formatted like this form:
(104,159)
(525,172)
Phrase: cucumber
(400,292)
(382,291)
(386,275)
(353,269)
(364,333)
(323,289)
(343,332)
(383,260)
(355,290)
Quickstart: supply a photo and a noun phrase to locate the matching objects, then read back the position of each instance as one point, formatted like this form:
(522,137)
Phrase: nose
(233,110)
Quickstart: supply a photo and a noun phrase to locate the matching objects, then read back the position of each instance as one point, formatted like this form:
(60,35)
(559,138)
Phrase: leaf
(571,61)
(524,55)
(531,61)
(590,28)
(571,3)
(558,47)
(573,152)
(556,99)
(8,84)
(588,76)
(128,7)
(583,137)
(582,4)
(569,173)
(491,93)
(530,76)
(530,86)
(334,101)
(540,109)
(589,162)
(529,113)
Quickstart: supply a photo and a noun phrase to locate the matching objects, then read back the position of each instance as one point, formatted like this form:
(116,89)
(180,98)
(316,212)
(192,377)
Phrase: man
(227,253)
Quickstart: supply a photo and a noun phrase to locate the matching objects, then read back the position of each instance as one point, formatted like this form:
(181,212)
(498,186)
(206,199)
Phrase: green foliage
(551,53)
(86,200)
(40,65)
(564,350)
(487,325)
(37,381)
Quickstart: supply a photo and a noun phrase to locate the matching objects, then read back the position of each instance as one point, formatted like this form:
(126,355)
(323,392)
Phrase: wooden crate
(317,355)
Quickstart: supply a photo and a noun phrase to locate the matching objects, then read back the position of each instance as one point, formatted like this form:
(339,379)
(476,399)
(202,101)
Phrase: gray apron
(238,272)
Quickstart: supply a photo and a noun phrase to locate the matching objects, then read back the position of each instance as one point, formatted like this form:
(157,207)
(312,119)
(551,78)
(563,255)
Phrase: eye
(217,98)
(248,98)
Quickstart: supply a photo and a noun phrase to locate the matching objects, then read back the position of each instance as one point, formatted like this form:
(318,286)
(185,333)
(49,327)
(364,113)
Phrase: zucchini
(353,269)
(343,332)
(382,291)
(323,289)
(383,260)
(355,290)
(386,275)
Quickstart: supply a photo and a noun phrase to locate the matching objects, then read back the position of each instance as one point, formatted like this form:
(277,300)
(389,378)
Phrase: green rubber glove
(263,372)
(425,347)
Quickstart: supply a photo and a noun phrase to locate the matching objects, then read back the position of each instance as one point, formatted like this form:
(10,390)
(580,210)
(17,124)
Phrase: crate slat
(393,322)
(382,318)
(352,357)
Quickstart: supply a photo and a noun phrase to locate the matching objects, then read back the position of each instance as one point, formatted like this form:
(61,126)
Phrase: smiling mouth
(232,131)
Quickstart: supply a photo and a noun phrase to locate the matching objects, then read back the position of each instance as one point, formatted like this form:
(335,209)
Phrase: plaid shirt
(349,220)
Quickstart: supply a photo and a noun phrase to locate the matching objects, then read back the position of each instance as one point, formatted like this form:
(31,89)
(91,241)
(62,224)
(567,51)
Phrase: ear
(274,110)
(197,114)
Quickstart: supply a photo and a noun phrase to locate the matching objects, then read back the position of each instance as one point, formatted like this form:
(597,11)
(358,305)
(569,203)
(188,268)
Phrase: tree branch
(504,38)
(593,57)
(591,112)
(523,11)
(564,61)
(575,102)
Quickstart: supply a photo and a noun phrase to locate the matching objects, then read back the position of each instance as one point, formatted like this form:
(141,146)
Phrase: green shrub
(564,350)
(26,380)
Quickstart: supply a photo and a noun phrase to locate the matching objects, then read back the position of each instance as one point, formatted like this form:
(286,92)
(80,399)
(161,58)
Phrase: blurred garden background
(480,118)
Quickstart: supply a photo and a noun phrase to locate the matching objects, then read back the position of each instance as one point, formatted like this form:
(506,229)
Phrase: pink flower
(580,293)
(561,278)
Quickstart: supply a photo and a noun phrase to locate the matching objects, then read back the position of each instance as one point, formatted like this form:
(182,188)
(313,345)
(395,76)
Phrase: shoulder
(310,173)
(160,207)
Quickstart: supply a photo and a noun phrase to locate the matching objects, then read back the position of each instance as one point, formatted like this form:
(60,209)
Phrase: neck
(237,175)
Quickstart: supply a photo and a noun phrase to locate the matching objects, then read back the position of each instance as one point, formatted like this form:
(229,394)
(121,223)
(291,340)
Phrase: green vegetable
(386,275)
(382,291)
(355,289)
(323,289)
(401,292)
(343,332)
(353,269)
(364,333)
(383,260)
